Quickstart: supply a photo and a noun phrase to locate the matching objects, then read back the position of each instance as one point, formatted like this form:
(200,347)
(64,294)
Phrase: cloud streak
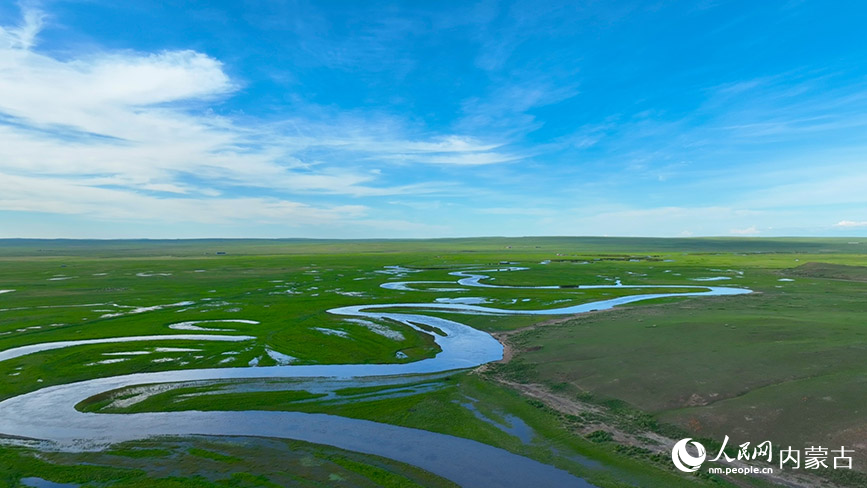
(851,224)
(23,35)
(131,135)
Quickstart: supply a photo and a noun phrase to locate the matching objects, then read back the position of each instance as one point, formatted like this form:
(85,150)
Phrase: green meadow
(598,394)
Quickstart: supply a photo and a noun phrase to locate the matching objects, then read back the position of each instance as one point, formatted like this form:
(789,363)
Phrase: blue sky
(432,119)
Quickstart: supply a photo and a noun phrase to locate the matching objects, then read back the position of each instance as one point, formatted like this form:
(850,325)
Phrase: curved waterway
(49,413)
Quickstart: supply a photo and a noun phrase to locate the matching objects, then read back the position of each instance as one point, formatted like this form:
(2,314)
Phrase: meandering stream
(49,413)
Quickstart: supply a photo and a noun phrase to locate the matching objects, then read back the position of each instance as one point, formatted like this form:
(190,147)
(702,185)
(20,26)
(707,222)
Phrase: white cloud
(851,223)
(23,35)
(129,135)
(65,196)
(749,231)
(452,159)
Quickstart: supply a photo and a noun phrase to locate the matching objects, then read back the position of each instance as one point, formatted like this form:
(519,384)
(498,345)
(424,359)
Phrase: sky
(346,119)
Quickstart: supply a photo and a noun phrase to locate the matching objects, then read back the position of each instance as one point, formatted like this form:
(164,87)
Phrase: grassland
(785,363)
(214,463)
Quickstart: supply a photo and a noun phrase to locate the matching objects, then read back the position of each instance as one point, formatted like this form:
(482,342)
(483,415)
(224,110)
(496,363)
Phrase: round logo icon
(685,461)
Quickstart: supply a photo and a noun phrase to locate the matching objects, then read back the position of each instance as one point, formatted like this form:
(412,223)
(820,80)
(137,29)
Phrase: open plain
(162,334)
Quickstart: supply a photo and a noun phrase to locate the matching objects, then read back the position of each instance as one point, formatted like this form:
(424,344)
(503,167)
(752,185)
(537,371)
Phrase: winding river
(49,414)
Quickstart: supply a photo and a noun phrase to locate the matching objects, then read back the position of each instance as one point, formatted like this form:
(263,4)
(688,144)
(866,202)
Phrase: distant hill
(499,245)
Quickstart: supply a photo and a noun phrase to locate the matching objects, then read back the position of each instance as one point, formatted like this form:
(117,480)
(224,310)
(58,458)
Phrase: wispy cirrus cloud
(497,117)
(23,35)
(130,135)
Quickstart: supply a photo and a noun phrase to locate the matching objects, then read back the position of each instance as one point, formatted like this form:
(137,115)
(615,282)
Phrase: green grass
(785,363)
(377,475)
(139,453)
(367,390)
(831,271)
(213,456)
(212,462)
(555,441)
(181,399)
